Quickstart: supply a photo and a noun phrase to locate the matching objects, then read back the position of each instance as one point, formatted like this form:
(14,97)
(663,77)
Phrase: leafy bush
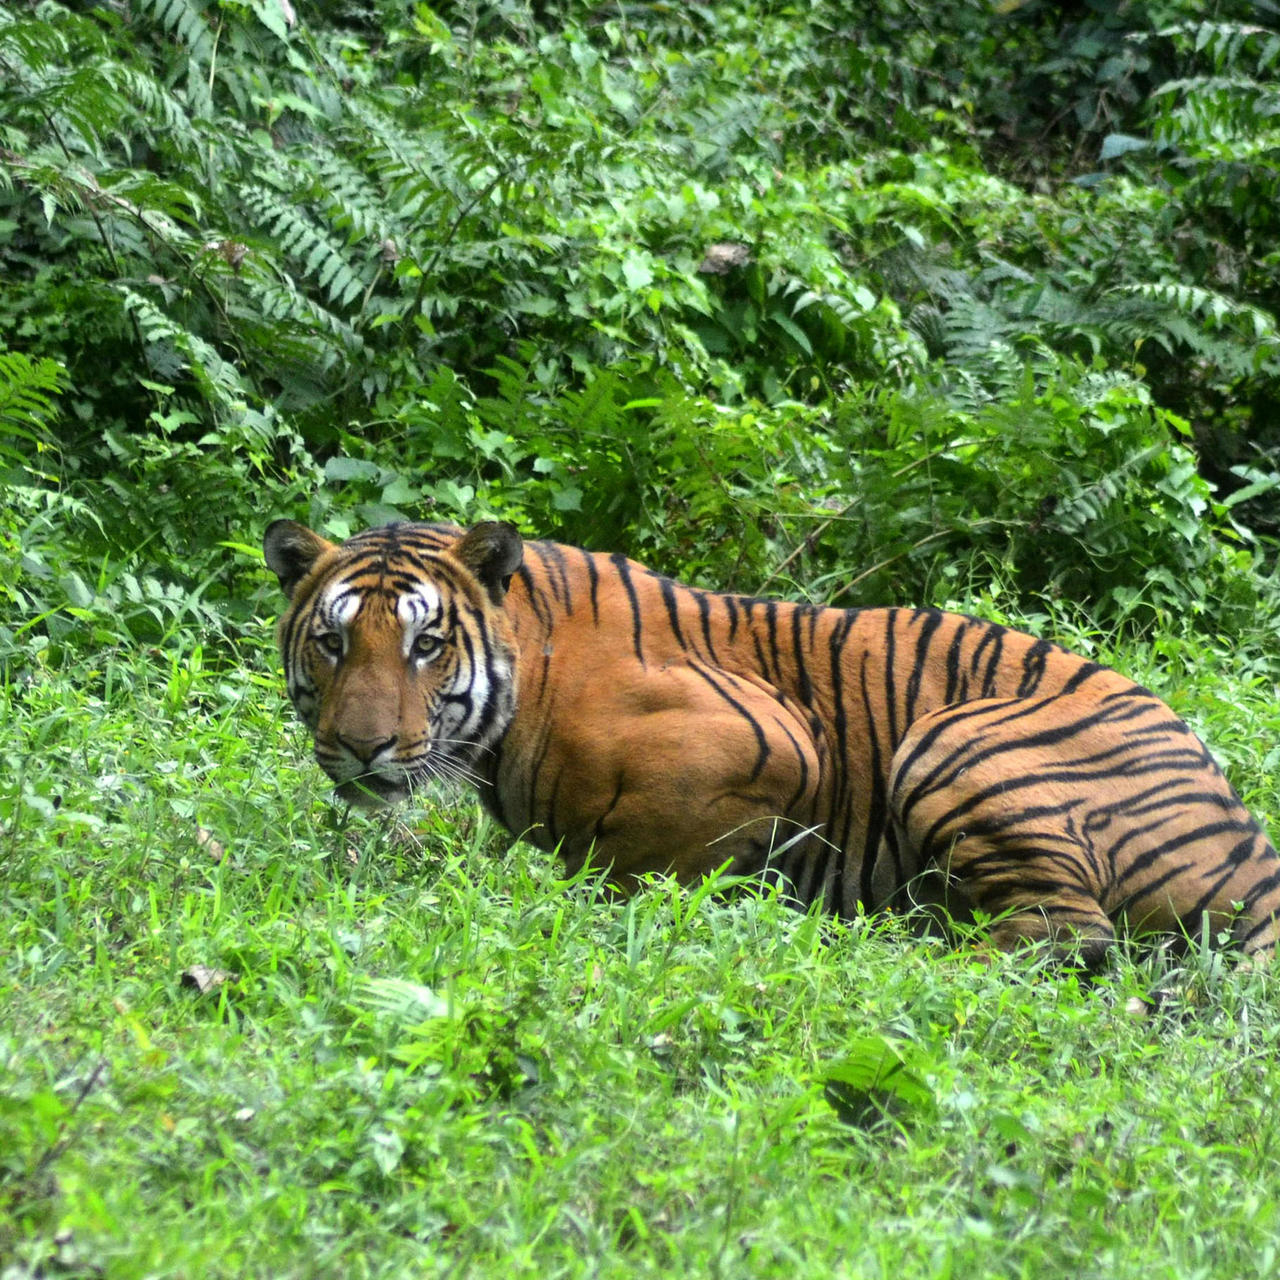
(782,306)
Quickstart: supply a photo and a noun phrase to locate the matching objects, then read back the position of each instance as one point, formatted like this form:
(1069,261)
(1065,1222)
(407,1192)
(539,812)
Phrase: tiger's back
(864,757)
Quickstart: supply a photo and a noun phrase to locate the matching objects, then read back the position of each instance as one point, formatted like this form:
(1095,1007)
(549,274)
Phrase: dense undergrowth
(759,292)
(973,306)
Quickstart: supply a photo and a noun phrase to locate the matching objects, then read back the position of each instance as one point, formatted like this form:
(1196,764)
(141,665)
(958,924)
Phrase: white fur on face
(335,609)
(463,711)
(417,611)
(337,606)
(466,681)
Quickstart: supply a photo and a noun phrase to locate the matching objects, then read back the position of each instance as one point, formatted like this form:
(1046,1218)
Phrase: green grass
(436,1057)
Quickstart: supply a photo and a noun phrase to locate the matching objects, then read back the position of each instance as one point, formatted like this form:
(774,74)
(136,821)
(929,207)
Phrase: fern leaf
(27,390)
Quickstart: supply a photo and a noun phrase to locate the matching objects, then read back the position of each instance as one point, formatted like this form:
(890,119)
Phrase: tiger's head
(397,651)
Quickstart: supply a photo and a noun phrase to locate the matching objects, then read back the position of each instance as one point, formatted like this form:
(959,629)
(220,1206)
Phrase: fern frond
(170,343)
(159,111)
(277,297)
(1226,44)
(28,388)
(188,22)
(297,235)
(352,202)
(1214,311)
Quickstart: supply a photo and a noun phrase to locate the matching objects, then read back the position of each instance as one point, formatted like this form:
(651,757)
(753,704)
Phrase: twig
(884,564)
(63,1140)
(814,534)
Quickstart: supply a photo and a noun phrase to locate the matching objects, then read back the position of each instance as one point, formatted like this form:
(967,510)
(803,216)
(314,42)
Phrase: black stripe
(763,750)
(890,677)
(804,690)
(771,626)
(1261,888)
(598,830)
(954,689)
(994,636)
(1236,857)
(931,623)
(905,766)
(537,601)
(1166,848)
(840,803)
(991,826)
(1033,664)
(557,575)
(986,745)
(762,664)
(593,575)
(537,757)
(877,805)
(668,589)
(803,786)
(623,570)
(1086,671)
(704,611)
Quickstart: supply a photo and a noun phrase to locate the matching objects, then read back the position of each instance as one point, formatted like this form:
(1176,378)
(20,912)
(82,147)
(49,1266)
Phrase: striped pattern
(863,758)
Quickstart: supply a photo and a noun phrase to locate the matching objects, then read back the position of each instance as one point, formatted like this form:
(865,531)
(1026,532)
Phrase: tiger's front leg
(681,769)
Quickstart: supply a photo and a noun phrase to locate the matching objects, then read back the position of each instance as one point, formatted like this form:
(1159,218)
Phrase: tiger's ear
(493,551)
(291,549)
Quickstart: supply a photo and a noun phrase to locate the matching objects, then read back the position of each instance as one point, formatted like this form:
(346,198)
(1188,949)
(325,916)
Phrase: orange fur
(861,757)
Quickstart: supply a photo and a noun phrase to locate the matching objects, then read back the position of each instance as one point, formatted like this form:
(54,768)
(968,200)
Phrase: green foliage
(27,388)
(636,287)
(1208,151)
(1074,483)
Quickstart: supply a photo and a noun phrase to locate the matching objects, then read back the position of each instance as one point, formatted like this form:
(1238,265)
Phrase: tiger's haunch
(863,757)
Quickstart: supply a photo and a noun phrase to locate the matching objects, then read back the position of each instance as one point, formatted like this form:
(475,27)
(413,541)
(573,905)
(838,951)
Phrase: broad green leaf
(874,1079)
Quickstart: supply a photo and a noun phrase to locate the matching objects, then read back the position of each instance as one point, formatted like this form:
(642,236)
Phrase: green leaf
(337,469)
(388,1149)
(874,1080)
(795,332)
(637,269)
(401,492)
(77,590)
(275,15)
(1255,489)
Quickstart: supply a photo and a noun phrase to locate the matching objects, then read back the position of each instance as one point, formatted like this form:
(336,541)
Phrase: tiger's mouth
(373,791)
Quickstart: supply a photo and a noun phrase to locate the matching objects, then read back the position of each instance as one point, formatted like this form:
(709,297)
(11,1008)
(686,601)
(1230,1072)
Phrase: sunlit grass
(424,1053)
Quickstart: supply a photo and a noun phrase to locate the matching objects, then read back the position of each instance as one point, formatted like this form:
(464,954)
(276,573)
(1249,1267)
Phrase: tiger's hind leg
(1031,891)
(992,800)
(1066,813)
(1044,900)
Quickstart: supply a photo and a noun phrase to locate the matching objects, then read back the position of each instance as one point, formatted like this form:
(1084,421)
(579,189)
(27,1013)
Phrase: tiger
(860,759)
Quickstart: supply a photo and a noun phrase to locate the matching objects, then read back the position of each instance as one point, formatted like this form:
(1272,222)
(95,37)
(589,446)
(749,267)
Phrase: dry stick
(811,537)
(63,1140)
(884,564)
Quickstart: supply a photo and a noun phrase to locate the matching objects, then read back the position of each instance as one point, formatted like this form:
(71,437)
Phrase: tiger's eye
(330,642)
(426,646)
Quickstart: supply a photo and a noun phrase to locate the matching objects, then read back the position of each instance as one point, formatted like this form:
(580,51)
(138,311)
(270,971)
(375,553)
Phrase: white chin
(372,792)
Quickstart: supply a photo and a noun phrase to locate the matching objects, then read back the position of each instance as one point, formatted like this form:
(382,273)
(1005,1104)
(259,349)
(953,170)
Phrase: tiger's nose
(366,749)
